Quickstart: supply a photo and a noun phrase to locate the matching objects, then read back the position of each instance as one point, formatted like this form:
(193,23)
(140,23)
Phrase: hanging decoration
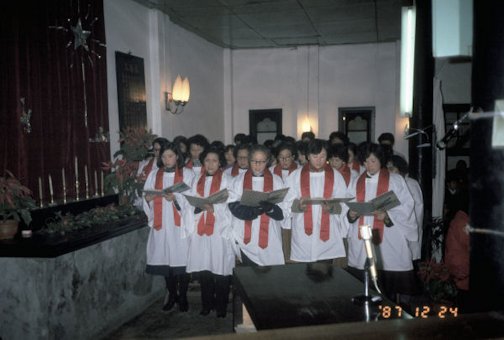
(25,117)
(81,44)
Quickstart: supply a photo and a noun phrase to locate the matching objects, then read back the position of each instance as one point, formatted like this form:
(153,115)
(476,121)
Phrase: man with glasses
(257,230)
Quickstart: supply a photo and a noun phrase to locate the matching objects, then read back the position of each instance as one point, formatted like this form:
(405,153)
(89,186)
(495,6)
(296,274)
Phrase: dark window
(265,124)
(357,123)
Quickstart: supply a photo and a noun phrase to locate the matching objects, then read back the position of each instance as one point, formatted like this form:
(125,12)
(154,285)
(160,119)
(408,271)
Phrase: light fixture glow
(179,95)
(407,60)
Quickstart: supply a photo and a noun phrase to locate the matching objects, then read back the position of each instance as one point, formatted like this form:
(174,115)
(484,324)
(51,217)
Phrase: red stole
(356,166)
(189,164)
(305,192)
(277,170)
(148,168)
(206,226)
(346,173)
(235,171)
(158,200)
(264,222)
(383,185)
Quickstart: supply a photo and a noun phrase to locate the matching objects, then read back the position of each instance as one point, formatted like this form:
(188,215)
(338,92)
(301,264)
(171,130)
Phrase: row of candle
(63,178)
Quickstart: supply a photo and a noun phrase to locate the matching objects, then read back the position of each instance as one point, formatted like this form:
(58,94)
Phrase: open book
(252,198)
(199,202)
(334,203)
(178,187)
(383,202)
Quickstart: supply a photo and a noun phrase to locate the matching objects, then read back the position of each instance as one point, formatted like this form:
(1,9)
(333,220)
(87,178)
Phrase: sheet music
(383,202)
(199,202)
(178,187)
(334,203)
(252,198)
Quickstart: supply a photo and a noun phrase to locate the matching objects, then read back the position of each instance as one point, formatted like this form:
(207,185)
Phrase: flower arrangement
(123,179)
(437,280)
(15,199)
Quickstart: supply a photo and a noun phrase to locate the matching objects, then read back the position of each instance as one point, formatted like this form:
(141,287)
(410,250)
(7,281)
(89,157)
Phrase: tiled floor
(154,323)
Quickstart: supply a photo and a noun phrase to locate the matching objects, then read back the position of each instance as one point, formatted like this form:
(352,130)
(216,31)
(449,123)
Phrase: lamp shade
(177,89)
(186,90)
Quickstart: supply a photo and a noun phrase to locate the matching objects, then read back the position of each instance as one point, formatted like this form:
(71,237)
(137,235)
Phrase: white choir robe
(310,248)
(227,172)
(214,253)
(416,193)
(144,163)
(393,253)
(273,253)
(166,246)
(197,171)
(287,222)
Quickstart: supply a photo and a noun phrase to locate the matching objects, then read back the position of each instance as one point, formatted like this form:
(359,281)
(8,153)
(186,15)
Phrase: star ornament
(80,36)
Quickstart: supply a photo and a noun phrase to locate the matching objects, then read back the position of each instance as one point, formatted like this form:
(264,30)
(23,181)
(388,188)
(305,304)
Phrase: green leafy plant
(437,280)
(123,179)
(15,199)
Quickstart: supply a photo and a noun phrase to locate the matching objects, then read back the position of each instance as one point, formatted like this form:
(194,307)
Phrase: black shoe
(171,302)
(205,311)
(183,304)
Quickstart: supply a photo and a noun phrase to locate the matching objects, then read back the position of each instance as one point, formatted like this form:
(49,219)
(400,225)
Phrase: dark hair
(229,147)
(316,146)
(340,135)
(216,150)
(173,147)
(361,152)
(287,146)
(352,147)
(180,139)
(217,144)
(386,136)
(260,148)
(269,143)
(377,151)
(290,139)
(198,140)
(400,163)
(308,135)
(339,151)
(240,147)
(301,147)
(160,141)
(239,138)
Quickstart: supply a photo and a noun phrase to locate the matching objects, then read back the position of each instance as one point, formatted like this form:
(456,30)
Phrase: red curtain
(36,63)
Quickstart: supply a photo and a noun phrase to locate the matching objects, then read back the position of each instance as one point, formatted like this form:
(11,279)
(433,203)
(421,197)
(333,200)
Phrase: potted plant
(15,205)
(437,281)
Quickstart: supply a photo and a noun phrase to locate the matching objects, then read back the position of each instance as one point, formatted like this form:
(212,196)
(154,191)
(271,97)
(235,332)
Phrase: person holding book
(208,230)
(197,144)
(257,230)
(316,229)
(166,250)
(338,159)
(286,160)
(241,155)
(392,229)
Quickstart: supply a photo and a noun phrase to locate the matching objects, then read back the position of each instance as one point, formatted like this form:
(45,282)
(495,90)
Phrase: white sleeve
(403,216)
(148,206)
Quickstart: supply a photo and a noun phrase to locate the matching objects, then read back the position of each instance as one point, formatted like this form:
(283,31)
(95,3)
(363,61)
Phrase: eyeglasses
(257,162)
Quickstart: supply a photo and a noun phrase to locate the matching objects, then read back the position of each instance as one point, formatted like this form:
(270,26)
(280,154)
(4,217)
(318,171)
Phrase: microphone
(366,234)
(453,130)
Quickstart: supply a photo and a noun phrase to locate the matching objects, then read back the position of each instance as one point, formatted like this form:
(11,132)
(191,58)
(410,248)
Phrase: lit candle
(64,184)
(51,189)
(40,191)
(96,183)
(102,183)
(86,180)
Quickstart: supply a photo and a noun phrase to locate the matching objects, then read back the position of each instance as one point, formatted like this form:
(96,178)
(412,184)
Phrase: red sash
(148,168)
(383,185)
(264,222)
(235,171)
(356,166)
(346,173)
(305,192)
(189,164)
(158,200)
(206,226)
(277,170)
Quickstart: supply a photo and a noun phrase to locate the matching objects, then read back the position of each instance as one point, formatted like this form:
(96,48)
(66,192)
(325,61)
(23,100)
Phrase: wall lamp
(179,97)
(407,59)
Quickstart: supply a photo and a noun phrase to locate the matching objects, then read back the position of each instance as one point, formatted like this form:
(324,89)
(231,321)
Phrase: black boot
(183,284)
(171,298)
(207,285)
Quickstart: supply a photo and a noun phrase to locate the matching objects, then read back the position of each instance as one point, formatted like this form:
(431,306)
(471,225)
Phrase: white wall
(167,50)
(318,80)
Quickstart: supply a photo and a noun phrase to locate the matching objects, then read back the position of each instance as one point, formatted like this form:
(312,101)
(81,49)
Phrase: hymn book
(178,187)
(199,202)
(253,198)
(334,203)
(383,202)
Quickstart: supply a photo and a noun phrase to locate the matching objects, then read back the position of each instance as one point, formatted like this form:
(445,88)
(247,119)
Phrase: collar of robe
(169,169)
(312,169)
(258,175)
